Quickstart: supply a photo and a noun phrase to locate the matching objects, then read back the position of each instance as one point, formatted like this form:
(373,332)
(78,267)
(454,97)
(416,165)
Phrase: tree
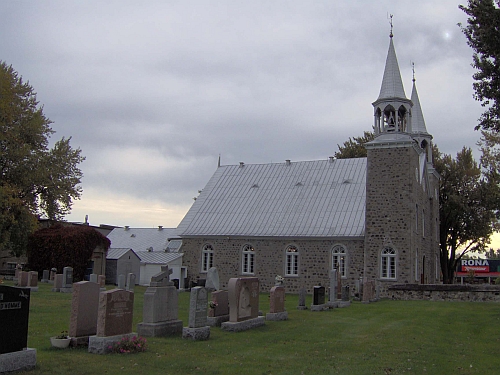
(35,181)
(482,32)
(354,147)
(61,246)
(469,200)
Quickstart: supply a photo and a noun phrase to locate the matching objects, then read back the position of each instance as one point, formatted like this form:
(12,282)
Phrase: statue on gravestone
(162,278)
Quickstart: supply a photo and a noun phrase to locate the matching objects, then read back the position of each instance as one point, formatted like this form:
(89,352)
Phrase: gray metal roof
(117,253)
(141,239)
(157,257)
(322,198)
(392,85)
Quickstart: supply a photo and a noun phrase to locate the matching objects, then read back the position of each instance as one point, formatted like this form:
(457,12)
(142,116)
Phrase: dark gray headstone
(14,313)
(319,295)
(67,277)
(302,297)
(345,293)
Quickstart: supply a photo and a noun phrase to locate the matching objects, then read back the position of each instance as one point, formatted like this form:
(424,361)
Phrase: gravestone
(277,304)
(23,279)
(332,293)
(219,310)
(16,272)
(345,301)
(84,308)
(114,320)
(93,278)
(45,276)
(58,282)
(14,316)
(318,299)
(121,282)
(197,327)
(212,282)
(160,311)
(53,272)
(130,284)
(33,281)
(101,280)
(369,291)
(67,286)
(302,300)
(243,295)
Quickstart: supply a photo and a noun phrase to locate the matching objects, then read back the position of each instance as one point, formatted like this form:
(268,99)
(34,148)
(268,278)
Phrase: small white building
(121,262)
(151,263)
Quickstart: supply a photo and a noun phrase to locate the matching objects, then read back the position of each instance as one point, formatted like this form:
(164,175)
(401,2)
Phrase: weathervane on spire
(413,70)
(390,22)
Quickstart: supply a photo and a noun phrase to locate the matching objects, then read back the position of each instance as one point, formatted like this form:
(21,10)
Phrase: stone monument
(84,308)
(218,312)
(160,313)
(197,329)
(243,305)
(318,299)
(277,304)
(212,282)
(67,280)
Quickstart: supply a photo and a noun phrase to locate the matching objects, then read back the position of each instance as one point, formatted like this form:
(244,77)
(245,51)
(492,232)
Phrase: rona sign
(476,265)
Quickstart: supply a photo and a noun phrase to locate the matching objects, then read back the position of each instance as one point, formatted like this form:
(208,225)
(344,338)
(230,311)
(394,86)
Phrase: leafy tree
(61,246)
(469,200)
(354,147)
(35,180)
(482,32)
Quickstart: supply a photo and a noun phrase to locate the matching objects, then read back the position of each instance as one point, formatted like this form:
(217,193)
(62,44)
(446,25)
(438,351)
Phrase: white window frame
(339,256)
(207,257)
(388,269)
(248,259)
(292,261)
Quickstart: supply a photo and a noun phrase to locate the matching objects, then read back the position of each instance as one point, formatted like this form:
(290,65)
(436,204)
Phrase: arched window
(388,263)
(207,257)
(248,259)
(292,261)
(339,259)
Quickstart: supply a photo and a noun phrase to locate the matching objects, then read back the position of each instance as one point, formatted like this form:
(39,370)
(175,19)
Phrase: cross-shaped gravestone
(162,278)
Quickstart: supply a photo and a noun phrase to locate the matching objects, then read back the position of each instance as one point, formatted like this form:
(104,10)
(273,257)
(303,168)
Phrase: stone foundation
(22,360)
(216,321)
(101,345)
(277,316)
(445,292)
(196,334)
(244,325)
(168,328)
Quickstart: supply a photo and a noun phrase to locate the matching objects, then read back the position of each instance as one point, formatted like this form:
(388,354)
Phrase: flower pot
(60,343)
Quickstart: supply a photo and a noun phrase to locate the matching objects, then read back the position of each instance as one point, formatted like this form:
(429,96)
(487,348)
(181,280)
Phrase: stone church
(375,217)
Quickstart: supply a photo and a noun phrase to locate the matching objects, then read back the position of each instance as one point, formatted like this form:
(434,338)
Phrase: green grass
(387,337)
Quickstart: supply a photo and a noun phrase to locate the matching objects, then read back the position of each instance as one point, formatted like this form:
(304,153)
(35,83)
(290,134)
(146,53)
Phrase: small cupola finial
(413,71)
(390,22)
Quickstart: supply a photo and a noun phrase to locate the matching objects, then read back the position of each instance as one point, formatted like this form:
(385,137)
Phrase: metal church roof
(157,257)
(117,253)
(141,239)
(322,198)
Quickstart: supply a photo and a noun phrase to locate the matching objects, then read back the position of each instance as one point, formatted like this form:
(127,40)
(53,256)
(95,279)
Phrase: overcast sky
(154,91)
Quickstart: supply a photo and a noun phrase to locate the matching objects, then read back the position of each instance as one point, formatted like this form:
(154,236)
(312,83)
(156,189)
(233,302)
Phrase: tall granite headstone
(45,276)
(212,282)
(318,299)
(197,327)
(218,313)
(130,283)
(302,300)
(67,280)
(84,308)
(14,316)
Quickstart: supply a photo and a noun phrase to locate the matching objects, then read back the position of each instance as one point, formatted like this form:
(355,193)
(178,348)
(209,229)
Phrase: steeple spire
(392,85)
(417,121)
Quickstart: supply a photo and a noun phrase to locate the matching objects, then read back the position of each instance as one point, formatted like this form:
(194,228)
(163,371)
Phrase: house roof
(141,239)
(117,253)
(158,257)
(322,198)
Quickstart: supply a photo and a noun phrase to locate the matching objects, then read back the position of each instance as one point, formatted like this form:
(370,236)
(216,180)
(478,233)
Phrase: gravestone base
(66,290)
(168,328)
(55,289)
(300,307)
(44,281)
(33,288)
(333,304)
(51,282)
(101,345)
(196,334)
(283,315)
(344,303)
(243,325)
(321,307)
(216,321)
(21,360)
(79,341)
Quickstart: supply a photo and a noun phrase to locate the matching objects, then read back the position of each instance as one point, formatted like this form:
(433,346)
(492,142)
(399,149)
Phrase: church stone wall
(314,260)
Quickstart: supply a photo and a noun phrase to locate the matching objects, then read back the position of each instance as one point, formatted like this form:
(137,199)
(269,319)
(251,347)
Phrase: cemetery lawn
(386,337)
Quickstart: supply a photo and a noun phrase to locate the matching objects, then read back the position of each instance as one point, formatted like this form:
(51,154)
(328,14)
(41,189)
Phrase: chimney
(160,227)
(242,164)
(288,162)
(127,227)
(331,159)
